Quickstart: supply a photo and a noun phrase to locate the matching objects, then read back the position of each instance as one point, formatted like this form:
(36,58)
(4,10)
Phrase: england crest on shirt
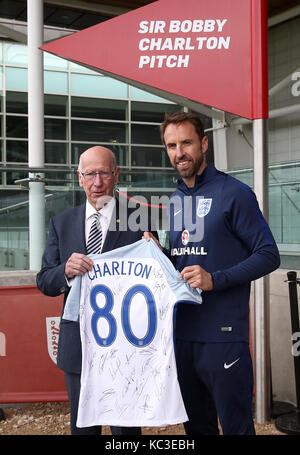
(203,208)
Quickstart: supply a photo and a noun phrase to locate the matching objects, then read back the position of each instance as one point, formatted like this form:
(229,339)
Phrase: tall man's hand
(197,277)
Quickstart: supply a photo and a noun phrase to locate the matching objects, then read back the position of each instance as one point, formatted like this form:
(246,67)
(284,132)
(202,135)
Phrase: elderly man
(72,236)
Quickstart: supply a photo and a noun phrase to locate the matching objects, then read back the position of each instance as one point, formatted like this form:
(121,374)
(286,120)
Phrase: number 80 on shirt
(106,313)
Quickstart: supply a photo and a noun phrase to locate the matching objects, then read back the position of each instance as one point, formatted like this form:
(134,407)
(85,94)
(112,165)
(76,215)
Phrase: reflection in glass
(16,78)
(145,134)
(83,130)
(151,112)
(149,156)
(56,105)
(54,62)
(17,151)
(90,85)
(16,54)
(55,82)
(98,108)
(55,128)
(56,152)
(17,102)
(16,126)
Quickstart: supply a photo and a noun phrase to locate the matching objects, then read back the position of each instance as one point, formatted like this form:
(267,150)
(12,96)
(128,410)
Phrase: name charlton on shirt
(120,268)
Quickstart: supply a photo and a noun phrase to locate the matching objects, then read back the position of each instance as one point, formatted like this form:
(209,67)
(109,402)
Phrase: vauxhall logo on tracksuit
(203,208)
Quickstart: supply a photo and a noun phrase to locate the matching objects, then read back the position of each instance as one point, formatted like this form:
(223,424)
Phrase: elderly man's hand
(77,264)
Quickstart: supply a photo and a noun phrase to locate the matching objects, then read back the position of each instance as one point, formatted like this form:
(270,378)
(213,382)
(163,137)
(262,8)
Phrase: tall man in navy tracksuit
(220,242)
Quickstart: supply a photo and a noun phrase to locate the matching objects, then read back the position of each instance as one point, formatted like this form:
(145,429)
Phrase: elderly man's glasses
(90,176)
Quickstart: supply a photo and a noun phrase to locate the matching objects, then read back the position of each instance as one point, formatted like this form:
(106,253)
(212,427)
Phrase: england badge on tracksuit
(203,208)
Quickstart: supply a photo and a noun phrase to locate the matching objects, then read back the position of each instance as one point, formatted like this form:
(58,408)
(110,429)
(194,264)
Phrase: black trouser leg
(73,388)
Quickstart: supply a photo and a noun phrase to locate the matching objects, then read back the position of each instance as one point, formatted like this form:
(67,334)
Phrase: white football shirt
(126,312)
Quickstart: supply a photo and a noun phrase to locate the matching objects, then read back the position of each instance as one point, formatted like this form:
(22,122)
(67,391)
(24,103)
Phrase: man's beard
(192,170)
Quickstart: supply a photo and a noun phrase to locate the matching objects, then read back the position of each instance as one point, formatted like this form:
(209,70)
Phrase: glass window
(83,130)
(14,226)
(149,156)
(16,102)
(17,151)
(145,134)
(284,138)
(55,128)
(16,175)
(52,61)
(290,214)
(120,151)
(16,79)
(284,203)
(57,178)
(151,112)
(16,54)
(1,76)
(153,179)
(90,85)
(1,151)
(56,152)
(244,175)
(82,69)
(55,82)
(56,105)
(1,48)
(284,172)
(99,108)
(77,150)
(275,212)
(138,94)
(16,126)
(284,58)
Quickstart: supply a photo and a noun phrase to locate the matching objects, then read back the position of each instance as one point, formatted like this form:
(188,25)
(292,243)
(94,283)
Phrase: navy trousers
(216,381)
(73,389)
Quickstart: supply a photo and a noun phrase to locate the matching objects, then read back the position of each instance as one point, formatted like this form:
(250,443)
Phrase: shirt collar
(106,211)
(207,174)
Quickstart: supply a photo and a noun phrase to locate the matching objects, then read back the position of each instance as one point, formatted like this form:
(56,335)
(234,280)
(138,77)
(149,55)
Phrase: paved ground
(53,419)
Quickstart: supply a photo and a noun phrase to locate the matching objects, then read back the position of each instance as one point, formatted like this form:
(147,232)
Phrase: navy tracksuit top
(220,227)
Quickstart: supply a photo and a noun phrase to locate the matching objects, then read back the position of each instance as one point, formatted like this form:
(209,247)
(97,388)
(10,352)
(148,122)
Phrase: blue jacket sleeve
(246,221)
(51,279)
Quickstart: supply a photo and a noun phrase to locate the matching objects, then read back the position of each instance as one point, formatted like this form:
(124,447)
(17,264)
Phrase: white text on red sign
(179,43)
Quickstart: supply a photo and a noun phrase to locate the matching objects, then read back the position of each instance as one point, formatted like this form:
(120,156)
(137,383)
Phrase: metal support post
(261,286)
(35,130)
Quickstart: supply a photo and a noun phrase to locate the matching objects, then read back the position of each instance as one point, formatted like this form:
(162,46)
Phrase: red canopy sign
(208,51)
